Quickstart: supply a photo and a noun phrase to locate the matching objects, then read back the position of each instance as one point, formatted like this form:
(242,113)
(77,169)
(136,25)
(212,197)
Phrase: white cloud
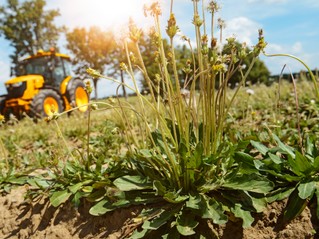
(297,47)
(275,64)
(245,30)
(273,48)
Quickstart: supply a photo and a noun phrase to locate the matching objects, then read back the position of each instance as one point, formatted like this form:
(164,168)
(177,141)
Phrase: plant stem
(296,58)
(4,153)
(57,125)
(88,134)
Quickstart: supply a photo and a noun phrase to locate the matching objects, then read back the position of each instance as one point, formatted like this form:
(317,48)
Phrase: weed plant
(184,152)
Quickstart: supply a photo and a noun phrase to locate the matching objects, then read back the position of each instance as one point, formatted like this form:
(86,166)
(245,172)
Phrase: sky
(290,26)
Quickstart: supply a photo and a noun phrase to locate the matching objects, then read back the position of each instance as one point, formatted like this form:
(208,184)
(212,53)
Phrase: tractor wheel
(2,103)
(43,101)
(78,96)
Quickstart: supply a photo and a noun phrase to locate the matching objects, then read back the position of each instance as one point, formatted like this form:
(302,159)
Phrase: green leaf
(173,234)
(186,223)
(146,153)
(58,197)
(129,183)
(247,161)
(73,189)
(194,201)
(302,164)
(138,235)
(76,200)
(163,218)
(97,195)
(146,213)
(99,162)
(275,158)
(251,183)
(88,189)
(259,202)
(214,210)
(206,207)
(101,184)
(173,197)
(306,188)
(160,189)
(102,207)
(279,194)
(283,146)
(260,147)
(295,206)
(316,164)
(19,181)
(245,215)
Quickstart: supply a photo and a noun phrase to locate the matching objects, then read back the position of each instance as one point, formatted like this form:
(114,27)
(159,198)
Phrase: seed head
(115,130)
(93,73)
(204,39)
(123,66)
(196,20)
(94,107)
(182,36)
(155,37)
(111,100)
(231,40)
(53,109)
(212,6)
(154,8)
(134,32)
(133,58)
(157,78)
(250,92)
(261,45)
(187,69)
(221,23)
(88,87)
(171,28)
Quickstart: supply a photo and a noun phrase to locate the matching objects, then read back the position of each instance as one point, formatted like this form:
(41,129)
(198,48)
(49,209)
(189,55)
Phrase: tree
(117,55)
(90,49)
(28,27)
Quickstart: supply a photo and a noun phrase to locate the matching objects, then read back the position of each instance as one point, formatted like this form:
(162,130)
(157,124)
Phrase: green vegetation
(213,154)
(26,25)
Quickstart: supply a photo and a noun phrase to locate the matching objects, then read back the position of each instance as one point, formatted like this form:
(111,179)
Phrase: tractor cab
(43,80)
(53,67)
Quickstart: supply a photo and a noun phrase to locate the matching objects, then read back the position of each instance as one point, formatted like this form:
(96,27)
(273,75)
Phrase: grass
(27,144)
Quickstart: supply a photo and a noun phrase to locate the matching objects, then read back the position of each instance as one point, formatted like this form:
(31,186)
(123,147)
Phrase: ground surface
(43,221)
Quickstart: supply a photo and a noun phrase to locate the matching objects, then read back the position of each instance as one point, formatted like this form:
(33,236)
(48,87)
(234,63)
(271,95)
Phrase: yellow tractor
(41,81)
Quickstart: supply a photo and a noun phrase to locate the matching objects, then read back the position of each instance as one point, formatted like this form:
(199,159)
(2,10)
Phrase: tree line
(29,28)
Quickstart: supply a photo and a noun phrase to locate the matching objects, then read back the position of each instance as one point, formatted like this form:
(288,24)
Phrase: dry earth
(43,221)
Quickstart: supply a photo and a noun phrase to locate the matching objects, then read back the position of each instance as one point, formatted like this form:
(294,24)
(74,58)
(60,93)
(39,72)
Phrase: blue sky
(290,26)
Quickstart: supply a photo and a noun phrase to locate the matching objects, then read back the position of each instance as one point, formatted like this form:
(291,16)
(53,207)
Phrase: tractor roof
(42,53)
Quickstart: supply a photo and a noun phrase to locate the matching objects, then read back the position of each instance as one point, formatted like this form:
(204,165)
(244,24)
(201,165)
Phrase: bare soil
(43,221)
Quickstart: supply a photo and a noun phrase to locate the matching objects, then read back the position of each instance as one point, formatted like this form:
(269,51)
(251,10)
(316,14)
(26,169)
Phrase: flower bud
(123,66)
(197,21)
(171,28)
(134,32)
(93,73)
(94,107)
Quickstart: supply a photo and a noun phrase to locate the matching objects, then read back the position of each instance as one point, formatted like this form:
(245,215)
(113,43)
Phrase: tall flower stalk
(202,116)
